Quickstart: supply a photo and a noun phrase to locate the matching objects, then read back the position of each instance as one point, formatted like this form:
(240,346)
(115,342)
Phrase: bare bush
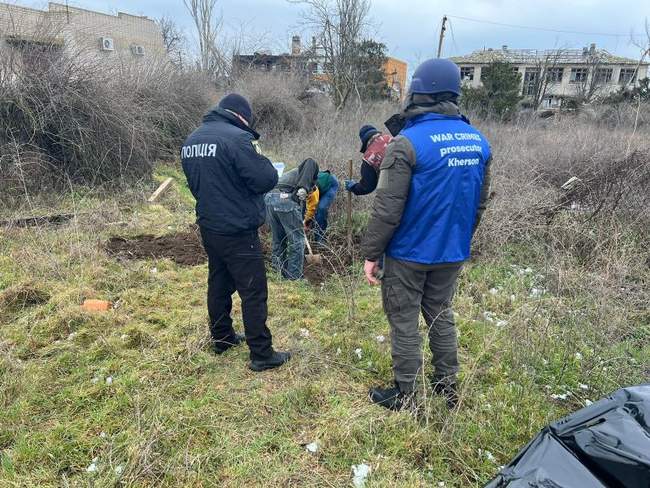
(65,117)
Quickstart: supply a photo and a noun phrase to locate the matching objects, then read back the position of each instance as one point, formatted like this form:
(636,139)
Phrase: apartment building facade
(549,77)
(122,37)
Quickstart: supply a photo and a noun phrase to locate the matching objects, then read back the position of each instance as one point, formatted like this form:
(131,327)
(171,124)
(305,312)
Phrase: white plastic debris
(493,291)
(338,351)
(358,352)
(441,484)
(588,402)
(380,338)
(489,316)
(578,356)
(92,468)
(304,333)
(501,323)
(124,337)
(488,455)
(102,435)
(119,470)
(536,292)
(561,396)
(312,447)
(95,380)
(360,473)
(72,335)
(582,386)
(154,270)
(109,380)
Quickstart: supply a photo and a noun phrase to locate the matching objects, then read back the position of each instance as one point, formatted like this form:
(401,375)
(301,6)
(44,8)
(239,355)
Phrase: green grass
(176,415)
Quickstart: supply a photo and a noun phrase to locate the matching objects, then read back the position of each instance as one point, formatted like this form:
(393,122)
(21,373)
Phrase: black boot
(446,389)
(276,360)
(219,347)
(392,398)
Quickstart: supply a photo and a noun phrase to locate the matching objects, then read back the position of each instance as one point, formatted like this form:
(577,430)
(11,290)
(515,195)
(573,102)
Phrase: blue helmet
(436,76)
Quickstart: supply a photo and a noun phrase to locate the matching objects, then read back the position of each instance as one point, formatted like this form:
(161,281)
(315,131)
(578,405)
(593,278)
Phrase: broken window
(604,75)
(531,78)
(467,73)
(579,75)
(554,75)
(627,75)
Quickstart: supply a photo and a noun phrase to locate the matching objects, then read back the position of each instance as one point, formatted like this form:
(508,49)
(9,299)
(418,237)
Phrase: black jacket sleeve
(392,192)
(485,193)
(254,169)
(369,179)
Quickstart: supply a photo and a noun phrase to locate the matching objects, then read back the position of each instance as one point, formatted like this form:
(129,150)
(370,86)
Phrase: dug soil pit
(186,248)
(183,248)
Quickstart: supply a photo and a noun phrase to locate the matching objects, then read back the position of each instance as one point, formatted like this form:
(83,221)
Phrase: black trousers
(236,263)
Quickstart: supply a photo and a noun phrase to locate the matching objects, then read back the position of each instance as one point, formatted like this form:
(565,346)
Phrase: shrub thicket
(71,119)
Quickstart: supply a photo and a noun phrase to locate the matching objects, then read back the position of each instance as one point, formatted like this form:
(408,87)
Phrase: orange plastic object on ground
(96,305)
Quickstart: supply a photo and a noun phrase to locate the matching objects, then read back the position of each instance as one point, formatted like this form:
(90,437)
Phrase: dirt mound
(22,296)
(184,248)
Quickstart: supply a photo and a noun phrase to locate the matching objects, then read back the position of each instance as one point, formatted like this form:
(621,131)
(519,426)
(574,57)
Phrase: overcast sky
(410,28)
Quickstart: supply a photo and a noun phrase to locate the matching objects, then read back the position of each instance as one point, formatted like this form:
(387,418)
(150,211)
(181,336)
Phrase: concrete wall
(82,30)
(395,71)
(566,87)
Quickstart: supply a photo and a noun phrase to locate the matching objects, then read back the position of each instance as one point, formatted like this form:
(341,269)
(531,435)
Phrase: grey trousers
(409,289)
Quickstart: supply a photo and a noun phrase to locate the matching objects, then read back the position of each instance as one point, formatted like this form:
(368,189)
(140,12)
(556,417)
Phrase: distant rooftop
(531,56)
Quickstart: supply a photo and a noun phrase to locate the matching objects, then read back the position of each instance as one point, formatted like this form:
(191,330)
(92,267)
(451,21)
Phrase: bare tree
(590,82)
(174,41)
(340,24)
(208,23)
(547,74)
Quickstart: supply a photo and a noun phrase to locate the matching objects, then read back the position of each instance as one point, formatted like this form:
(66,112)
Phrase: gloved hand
(349,184)
(301,194)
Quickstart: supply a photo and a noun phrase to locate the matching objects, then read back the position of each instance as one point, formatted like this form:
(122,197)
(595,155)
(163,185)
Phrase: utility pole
(442,34)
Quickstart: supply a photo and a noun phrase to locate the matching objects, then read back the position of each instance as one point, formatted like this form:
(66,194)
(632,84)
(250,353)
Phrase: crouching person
(432,190)
(286,206)
(228,177)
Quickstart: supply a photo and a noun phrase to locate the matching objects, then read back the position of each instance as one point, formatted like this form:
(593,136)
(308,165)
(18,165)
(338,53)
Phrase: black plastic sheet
(606,444)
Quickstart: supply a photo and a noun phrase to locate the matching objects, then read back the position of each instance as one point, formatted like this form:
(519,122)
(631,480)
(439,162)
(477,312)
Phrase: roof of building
(534,56)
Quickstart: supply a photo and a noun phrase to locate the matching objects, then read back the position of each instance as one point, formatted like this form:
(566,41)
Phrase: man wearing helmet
(433,187)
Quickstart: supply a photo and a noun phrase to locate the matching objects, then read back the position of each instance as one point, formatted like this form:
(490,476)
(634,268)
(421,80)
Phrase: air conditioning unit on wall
(107,44)
(137,50)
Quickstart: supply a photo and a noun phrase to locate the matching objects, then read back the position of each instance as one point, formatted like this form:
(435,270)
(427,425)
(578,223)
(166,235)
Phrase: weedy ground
(134,397)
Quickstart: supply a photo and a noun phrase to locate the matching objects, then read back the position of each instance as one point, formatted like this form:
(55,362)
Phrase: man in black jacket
(228,177)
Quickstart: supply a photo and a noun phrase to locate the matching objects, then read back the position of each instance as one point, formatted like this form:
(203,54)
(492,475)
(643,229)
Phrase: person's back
(226,174)
(440,213)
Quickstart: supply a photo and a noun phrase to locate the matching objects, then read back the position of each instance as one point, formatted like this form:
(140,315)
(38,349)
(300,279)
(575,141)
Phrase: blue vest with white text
(440,212)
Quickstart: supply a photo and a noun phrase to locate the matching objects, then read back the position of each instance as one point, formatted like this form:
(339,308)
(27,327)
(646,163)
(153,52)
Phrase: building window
(467,73)
(579,75)
(554,75)
(515,70)
(604,75)
(531,78)
(627,75)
